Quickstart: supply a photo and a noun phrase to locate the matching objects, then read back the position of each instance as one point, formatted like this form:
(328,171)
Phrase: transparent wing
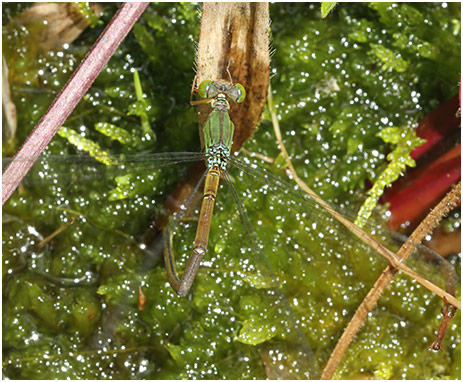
(284,276)
(294,359)
(84,167)
(425,262)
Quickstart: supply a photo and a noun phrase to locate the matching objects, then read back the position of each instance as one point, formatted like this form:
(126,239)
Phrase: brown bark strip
(427,225)
(234,39)
(70,95)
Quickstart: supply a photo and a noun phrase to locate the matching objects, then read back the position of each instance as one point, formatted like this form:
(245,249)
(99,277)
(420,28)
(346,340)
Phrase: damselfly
(279,277)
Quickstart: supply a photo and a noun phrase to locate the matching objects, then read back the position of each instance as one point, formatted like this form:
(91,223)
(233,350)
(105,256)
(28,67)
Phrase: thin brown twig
(262,157)
(70,95)
(390,256)
(56,233)
(448,311)
(425,227)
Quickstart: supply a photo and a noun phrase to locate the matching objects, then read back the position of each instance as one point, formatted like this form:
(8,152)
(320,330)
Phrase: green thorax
(218,133)
(218,129)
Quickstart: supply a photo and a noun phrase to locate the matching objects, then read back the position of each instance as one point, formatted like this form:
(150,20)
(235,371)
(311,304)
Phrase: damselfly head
(212,89)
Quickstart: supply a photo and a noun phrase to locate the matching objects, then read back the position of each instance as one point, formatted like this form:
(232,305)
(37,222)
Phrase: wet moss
(267,302)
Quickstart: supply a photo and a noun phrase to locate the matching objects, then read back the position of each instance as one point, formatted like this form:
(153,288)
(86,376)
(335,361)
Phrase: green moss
(391,61)
(327,7)
(268,302)
(86,145)
(405,141)
(89,14)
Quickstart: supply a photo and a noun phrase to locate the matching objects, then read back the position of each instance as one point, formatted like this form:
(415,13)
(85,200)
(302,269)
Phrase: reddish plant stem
(448,311)
(70,95)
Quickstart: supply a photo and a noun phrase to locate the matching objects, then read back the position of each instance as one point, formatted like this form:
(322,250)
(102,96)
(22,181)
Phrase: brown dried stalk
(390,256)
(70,95)
(9,109)
(426,226)
(396,260)
(56,233)
(233,46)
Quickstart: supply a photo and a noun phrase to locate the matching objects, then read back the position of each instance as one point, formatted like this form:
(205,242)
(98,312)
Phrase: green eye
(204,88)
(242,93)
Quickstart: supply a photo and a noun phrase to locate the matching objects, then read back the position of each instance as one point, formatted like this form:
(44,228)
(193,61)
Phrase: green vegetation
(404,142)
(327,7)
(70,307)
